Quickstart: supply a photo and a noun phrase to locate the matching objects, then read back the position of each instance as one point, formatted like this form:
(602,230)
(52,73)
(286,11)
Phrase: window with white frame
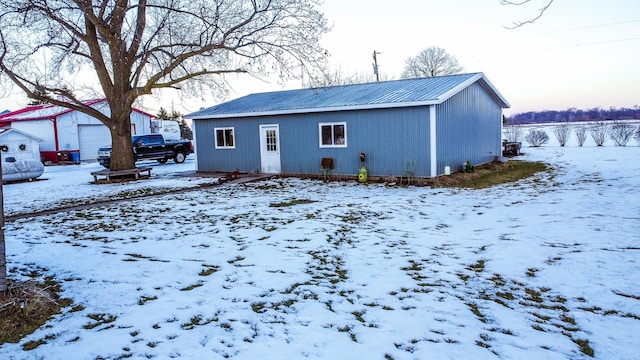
(225,138)
(333,134)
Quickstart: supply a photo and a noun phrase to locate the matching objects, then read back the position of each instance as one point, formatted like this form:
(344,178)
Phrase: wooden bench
(108,174)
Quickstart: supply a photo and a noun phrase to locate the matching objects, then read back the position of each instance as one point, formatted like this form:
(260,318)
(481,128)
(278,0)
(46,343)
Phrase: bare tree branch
(518,24)
(129,49)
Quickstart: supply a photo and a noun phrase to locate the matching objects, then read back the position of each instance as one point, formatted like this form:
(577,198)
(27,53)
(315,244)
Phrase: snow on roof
(386,94)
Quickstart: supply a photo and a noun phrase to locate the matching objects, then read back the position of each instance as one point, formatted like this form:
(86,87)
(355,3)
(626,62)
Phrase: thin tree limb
(518,24)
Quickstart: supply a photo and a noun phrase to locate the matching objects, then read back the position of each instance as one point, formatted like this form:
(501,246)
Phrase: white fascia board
(317,110)
(18,131)
(467,83)
(444,97)
(505,103)
(433,139)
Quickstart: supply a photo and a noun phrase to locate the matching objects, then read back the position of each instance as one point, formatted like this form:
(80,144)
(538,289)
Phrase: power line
(587,27)
(596,43)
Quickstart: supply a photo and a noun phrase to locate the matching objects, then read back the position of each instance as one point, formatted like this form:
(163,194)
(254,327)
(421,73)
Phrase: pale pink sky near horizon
(581,54)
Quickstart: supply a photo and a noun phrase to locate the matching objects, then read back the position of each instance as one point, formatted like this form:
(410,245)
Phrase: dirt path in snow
(240,180)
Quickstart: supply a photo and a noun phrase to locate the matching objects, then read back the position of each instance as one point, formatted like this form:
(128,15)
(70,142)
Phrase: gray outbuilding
(437,122)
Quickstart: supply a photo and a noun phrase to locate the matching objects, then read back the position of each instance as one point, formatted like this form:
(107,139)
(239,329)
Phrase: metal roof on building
(386,94)
(49,111)
(6,130)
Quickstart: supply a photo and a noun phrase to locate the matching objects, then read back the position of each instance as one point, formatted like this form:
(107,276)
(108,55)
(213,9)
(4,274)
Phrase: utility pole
(375,64)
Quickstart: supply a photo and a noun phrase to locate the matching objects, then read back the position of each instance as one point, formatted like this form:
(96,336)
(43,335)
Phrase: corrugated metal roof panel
(407,92)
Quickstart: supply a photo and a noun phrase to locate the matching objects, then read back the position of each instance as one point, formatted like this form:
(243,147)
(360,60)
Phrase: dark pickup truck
(152,147)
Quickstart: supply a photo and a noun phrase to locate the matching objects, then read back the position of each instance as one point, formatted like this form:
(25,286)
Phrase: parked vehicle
(170,129)
(152,147)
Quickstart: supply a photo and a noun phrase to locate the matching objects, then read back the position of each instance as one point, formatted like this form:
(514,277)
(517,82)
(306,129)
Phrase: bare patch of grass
(26,306)
(30,345)
(292,203)
(99,319)
(476,311)
(359,315)
(348,329)
(491,174)
(144,299)
(477,267)
(585,348)
(209,269)
(192,286)
(258,307)
(619,293)
(193,322)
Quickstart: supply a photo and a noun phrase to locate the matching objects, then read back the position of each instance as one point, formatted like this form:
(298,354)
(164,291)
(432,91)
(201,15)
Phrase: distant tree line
(573,114)
(621,132)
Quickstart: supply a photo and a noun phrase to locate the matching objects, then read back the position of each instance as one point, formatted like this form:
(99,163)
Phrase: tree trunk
(121,147)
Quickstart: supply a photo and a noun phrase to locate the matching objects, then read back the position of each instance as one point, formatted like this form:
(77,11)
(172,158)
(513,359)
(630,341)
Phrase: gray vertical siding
(468,127)
(387,136)
(245,156)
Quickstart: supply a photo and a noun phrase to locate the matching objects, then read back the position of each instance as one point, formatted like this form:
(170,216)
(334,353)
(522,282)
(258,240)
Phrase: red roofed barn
(69,135)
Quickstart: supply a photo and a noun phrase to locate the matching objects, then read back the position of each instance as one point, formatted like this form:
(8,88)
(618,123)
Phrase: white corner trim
(432,141)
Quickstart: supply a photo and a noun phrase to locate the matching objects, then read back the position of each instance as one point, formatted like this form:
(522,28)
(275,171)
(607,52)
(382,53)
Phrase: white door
(91,137)
(269,149)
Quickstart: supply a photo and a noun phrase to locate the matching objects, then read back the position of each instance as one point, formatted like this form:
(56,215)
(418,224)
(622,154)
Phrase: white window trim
(332,124)
(215,137)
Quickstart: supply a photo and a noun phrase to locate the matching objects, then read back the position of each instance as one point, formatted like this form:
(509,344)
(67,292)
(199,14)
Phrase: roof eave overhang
(8,130)
(485,82)
(35,118)
(316,110)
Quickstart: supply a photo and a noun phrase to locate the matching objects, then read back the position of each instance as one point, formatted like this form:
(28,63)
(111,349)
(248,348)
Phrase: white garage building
(69,135)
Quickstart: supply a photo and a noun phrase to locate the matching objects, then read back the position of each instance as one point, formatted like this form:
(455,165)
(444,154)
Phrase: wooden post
(3,255)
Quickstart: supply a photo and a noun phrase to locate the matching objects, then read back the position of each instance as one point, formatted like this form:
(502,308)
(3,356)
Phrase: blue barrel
(75,157)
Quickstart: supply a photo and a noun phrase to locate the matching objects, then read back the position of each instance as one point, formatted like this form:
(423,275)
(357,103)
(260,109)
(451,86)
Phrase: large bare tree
(430,62)
(49,48)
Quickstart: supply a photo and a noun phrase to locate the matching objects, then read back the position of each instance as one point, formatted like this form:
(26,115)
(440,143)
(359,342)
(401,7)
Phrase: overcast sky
(581,53)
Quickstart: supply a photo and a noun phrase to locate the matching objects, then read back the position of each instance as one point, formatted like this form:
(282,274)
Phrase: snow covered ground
(546,268)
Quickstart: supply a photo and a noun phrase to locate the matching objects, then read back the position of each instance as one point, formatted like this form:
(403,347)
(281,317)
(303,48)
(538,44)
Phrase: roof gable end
(10,130)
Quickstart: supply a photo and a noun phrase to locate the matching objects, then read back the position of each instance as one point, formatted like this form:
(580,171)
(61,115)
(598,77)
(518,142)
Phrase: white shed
(20,155)
(19,145)
(69,134)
